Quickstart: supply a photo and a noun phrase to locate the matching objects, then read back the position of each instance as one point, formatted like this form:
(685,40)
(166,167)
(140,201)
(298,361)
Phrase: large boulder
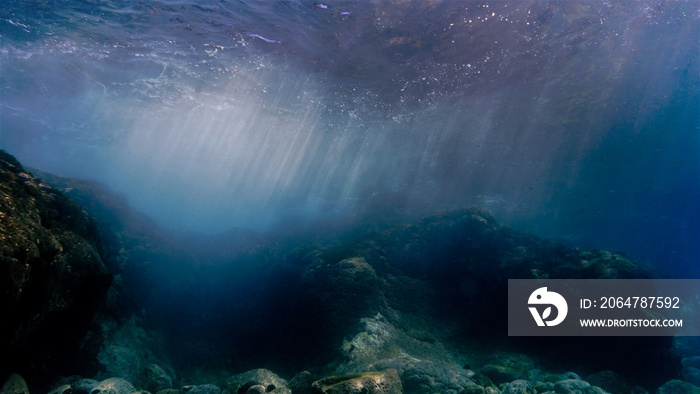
(51,274)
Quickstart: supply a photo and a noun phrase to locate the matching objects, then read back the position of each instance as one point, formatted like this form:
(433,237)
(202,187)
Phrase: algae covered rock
(52,276)
(381,382)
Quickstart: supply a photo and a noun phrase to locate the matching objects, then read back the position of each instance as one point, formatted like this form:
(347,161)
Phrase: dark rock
(692,362)
(347,290)
(257,389)
(84,386)
(503,374)
(51,272)
(572,386)
(15,384)
(691,375)
(202,389)
(678,387)
(473,388)
(63,389)
(241,383)
(609,381)
(428,377)
(519,387)
(154,378)
(381,382)
(301,383)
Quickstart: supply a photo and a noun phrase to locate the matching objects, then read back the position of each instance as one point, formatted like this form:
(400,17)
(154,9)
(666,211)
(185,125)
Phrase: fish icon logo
(543,297)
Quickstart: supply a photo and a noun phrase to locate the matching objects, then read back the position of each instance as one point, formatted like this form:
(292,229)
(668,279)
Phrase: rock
(519,387)
(241,383)
(691,375)
(15,384)
(114,386)
(503,374)
(691,362)
(609,381)
(51,272)
(128,352)
(257,389)
(418,376)
(301,383)
(170,391)
(66,388)
(154,378)
(573,386)
(473,388)
(381,382)
(202,389)
(346,290)
(570,386)
(678,387)
(84,386)
(569,375)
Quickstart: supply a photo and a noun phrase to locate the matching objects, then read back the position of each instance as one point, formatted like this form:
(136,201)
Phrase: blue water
(576,120)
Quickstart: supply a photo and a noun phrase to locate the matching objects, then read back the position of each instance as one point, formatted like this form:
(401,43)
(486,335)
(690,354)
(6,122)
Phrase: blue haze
(576,120)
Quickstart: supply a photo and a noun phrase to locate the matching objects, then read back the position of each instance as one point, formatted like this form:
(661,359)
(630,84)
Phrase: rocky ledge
(51,274)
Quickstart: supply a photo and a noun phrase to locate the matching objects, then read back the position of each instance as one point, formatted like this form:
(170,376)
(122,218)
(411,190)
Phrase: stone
(51,271)
(202,389)
(419,376)
(381,382)
(609,381)
(691,375)
(571,386)
(66,388)
(692,362)
(519,387)
(15,384)
(241,383)
(257,389)
(84,386)
(301,383)
(154,378)
(114,386)
(678,387)
(503,374)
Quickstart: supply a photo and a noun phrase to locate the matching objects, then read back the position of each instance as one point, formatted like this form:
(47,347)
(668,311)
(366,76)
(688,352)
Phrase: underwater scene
(308,197)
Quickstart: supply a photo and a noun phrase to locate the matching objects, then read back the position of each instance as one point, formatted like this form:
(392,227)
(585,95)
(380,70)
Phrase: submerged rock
(420,376)
(381,382)
(154,378)
(519,387)
(258,378)
(114,386)
(678,387)
(15,384)
(84,386)
(51,272)
(202,389)
(609,381)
